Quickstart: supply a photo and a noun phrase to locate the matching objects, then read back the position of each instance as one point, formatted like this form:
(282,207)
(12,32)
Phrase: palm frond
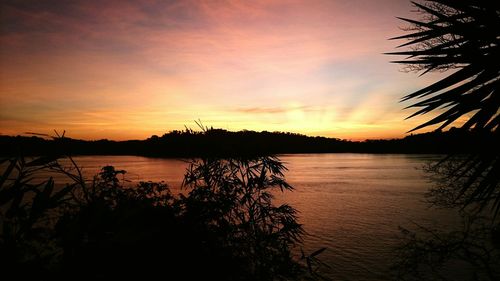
(463,36)
(456,34)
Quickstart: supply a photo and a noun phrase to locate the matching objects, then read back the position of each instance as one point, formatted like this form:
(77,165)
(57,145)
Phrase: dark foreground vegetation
(461,36)
(225,227)
(218,142)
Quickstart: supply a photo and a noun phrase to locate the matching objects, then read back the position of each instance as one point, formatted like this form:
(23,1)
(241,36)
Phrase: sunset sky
(130,69)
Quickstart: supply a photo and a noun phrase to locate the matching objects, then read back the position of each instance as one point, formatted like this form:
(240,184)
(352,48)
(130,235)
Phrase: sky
(131,69)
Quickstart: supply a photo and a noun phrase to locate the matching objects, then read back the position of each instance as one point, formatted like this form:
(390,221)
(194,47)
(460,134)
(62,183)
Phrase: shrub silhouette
(226,228)
(234,197)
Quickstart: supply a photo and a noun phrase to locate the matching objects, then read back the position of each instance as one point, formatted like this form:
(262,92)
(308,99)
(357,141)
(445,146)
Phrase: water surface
(350,203)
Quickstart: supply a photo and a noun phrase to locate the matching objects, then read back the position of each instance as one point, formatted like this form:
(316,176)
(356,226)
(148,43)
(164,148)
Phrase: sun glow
(139,68)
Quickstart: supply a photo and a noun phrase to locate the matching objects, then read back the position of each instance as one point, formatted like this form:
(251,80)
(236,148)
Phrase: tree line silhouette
(219,142)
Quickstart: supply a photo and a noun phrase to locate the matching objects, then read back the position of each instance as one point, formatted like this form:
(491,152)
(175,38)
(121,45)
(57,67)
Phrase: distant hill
(190,143)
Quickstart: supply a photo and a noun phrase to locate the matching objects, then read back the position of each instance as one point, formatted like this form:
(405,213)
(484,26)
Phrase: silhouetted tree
(463,37)
(226,228)
(233,196)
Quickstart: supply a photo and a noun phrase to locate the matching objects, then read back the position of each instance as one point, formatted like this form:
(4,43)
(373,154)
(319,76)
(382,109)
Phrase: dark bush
(225,228)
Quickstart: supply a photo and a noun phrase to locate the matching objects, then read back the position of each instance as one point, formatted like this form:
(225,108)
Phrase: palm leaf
(461,35)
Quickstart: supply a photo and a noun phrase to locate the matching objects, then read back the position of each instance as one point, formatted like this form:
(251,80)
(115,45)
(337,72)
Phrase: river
(352,204)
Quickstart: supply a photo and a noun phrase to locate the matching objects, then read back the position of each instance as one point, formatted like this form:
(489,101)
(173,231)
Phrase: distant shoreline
(219,142)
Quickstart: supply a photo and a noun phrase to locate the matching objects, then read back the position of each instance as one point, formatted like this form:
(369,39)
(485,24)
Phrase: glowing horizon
(131,69)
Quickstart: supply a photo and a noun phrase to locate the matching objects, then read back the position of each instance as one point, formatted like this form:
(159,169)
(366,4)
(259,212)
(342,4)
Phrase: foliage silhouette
(222,143)
(234,196)
(466,253)
(225,228)
(461,37)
